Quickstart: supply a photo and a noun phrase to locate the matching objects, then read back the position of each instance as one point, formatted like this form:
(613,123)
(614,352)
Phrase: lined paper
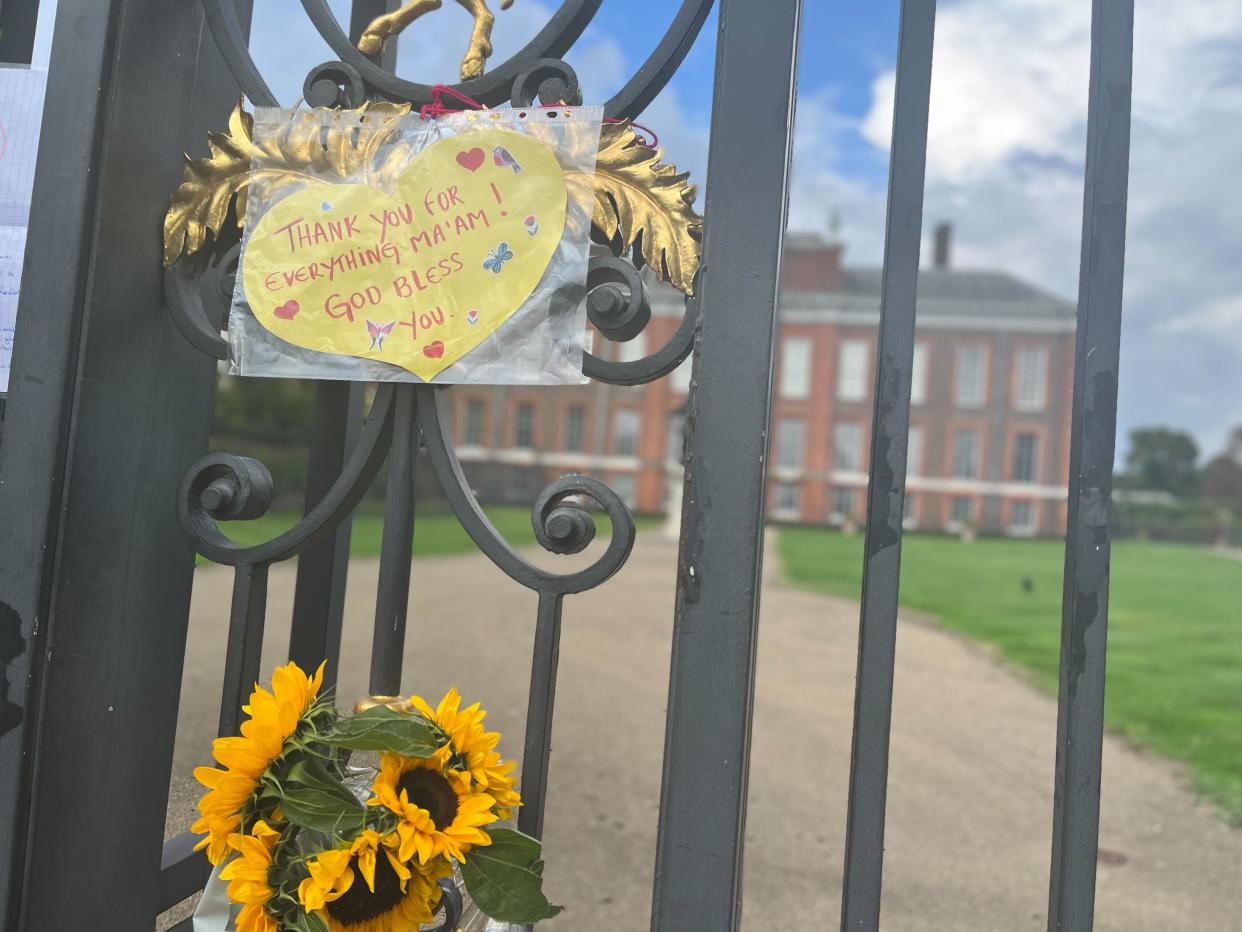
(21,115)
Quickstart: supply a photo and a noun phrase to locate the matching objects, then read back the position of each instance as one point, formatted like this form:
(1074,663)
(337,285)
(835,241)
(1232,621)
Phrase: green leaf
(505,878)
(382,729)
(316,800)
(308,922)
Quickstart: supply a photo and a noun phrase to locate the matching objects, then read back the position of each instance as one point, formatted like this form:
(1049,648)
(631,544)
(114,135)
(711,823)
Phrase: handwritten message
(419,277)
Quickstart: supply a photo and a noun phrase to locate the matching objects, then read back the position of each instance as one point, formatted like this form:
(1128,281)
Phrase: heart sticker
(451,235)
(471,159)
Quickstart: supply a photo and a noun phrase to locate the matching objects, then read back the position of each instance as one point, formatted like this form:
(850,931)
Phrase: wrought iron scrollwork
(222,487)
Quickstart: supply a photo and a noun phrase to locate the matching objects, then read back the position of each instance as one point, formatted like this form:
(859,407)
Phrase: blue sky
(1007,137)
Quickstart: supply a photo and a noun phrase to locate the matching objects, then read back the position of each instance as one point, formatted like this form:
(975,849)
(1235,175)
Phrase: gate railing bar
(877,630)
(1084,624)
(711,696)
(183,871)
(392,598)
(323,570)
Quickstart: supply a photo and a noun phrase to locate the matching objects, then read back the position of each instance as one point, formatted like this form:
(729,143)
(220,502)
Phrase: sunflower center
(359,904)
(431,791)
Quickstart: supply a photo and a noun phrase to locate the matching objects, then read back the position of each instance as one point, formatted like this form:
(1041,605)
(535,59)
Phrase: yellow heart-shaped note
(418,277)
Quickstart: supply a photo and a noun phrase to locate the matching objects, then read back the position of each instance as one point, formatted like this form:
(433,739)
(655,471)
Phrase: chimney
(812,265)
(944,245)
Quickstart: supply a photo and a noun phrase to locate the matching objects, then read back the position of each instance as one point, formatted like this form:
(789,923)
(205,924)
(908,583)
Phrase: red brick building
(990,412)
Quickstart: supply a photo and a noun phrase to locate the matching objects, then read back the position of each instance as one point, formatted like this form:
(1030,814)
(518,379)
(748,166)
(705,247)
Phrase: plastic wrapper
(398,279)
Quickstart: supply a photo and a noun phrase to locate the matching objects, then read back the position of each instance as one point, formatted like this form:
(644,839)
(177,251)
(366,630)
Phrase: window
(675,451)
(681,376)
(842,503)
(633,349)
(524,427)
(1022,518)
(788,500)
(474,423)
(962,510)
(847,444)
(968,390)
(1032,379)
(1024,451)
(966,455)
(795,367)
(790,442)
(852,370)
(914,452)
(575,419)
(625,486)
(625,432)
(918,375)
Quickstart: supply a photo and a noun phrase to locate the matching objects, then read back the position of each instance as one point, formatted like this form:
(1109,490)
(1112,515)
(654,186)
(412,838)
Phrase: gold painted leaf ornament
(306,153)
(640,201)
(647,204)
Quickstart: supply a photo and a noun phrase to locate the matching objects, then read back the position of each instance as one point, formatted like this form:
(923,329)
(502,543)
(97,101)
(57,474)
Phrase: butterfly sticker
(497,258)
(378,332)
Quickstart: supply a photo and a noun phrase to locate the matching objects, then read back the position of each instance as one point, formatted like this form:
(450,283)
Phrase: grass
(1174,681)
(434,534)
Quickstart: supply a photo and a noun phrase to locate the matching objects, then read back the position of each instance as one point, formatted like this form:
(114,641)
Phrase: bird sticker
(378,332)
(504,159)
(497,258)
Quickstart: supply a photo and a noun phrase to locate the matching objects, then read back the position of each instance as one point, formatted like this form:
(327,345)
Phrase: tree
(1163,459)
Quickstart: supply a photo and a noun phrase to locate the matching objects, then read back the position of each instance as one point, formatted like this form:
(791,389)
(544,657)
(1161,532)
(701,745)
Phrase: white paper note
(21,114)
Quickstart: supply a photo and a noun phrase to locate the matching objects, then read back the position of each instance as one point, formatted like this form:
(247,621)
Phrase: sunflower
(439,813)
(356,890)
(474,749)
(248,877)
(274,716)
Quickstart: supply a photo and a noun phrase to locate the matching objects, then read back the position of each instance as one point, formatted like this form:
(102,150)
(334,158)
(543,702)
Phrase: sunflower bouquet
(309,843)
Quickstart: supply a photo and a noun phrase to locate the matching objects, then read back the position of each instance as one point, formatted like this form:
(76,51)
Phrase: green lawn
(1174,640)
(434,534)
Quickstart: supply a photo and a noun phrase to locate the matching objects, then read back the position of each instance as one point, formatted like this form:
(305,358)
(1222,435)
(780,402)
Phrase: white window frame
(974,453)
(853,366)
(796,358)
(854,446)
(523,407)
(626,486)
(914,451)
(970,394)
(790,439)
(630,418)
(1022,530)
(1013,466)
(1030,378)
(475,404)
(837,515)
(633,350)
(785,510)
(681,376)
(918,375)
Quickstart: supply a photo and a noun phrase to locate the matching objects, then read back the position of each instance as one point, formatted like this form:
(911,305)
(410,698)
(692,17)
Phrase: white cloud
(1005,151)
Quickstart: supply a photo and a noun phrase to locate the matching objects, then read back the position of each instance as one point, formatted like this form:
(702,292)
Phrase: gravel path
(970,794)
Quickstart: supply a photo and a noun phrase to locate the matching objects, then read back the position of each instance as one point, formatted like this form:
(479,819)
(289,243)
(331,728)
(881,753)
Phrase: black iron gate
(99,488)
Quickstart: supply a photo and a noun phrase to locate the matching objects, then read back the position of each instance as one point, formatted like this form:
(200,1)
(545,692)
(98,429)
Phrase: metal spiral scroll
(223,487)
